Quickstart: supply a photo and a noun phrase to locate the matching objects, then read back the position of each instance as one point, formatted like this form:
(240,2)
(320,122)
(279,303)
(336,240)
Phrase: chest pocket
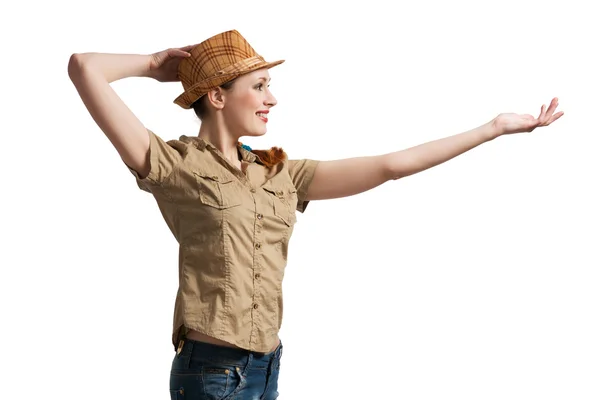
(217,191)
(284,199)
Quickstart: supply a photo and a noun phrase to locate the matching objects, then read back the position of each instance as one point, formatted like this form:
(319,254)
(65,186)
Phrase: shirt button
(253,190)
(259,216)
(255,306)
(257,246)
(257,276)
(215,177)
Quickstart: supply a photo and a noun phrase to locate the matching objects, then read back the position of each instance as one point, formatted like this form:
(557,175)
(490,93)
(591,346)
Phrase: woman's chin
(256,133)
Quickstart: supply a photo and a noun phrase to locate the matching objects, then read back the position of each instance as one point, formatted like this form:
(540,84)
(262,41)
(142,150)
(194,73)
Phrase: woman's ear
(215,98)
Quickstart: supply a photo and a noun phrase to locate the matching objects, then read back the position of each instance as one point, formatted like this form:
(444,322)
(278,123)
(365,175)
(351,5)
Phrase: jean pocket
(219,383)
(177,394)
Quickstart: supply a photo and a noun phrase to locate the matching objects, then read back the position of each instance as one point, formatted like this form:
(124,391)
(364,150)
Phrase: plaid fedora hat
(215,61)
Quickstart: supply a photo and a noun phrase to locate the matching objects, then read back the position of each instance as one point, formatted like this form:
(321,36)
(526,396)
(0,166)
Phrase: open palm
(509,123)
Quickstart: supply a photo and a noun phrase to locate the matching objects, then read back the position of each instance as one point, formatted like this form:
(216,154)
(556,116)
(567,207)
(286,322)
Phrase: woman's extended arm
(340,178)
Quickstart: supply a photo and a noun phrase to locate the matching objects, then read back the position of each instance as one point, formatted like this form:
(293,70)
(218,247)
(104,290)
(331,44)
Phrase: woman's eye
(261,86)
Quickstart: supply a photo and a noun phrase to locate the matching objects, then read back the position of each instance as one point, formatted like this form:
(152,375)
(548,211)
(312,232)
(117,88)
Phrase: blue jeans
(203,371)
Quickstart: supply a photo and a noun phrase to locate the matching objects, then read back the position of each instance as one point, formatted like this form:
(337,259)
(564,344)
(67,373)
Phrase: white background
(477,279)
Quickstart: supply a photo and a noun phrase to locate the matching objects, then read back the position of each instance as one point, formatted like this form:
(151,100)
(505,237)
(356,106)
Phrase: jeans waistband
(222,355)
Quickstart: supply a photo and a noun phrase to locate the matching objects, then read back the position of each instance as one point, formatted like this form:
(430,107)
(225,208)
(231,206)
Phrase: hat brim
(190,96)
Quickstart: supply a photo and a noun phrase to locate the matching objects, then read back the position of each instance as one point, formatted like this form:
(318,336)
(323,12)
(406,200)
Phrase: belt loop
(180,346)
(248,363)
(186,352)
(279,350)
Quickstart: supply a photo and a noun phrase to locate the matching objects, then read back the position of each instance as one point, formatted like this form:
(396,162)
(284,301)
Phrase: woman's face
(247,104)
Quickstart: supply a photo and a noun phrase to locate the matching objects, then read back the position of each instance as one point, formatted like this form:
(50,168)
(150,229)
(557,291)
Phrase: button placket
(257,259)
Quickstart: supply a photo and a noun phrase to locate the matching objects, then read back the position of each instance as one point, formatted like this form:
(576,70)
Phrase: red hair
(270,157)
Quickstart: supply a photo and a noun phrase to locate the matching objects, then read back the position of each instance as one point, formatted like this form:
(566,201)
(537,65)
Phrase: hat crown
(214,62)
(214,55)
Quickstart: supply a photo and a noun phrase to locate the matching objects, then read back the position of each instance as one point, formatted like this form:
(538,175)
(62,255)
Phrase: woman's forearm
(424,156)
(112,66)
(91,73)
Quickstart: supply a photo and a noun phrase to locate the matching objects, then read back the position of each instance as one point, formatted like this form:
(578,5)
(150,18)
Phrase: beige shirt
(233,230)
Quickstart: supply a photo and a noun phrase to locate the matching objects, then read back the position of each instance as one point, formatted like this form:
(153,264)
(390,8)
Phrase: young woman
(232,209)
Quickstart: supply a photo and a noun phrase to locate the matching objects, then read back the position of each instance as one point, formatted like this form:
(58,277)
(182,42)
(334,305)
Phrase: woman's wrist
(491,130)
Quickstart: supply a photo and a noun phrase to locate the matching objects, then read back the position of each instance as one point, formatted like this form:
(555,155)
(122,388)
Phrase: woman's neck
(222,140)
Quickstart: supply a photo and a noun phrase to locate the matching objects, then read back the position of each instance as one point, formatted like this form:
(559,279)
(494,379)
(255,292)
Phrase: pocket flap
(280,190)
(276,192)
(213,177)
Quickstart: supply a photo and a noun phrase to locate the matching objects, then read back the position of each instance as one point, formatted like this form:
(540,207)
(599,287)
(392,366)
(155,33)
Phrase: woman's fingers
(551,109)
(555,117)
(174,52)
(549,116)
(542,113)
(177,53)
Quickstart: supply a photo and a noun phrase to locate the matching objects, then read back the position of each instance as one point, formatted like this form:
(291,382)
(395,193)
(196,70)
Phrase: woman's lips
(262,116)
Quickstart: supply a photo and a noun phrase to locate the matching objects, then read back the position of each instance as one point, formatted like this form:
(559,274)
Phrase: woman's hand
(509,123)
(163,64)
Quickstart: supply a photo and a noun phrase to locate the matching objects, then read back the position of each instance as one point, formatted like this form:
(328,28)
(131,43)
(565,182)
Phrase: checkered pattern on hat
(216,61)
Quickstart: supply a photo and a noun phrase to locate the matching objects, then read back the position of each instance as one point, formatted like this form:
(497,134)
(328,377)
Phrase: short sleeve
(164,156)
(302,173)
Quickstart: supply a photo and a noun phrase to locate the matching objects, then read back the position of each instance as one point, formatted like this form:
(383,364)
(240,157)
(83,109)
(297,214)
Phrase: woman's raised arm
(92,73)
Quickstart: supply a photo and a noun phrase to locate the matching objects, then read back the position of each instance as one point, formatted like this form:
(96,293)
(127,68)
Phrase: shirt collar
(202,144)
(247,156)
